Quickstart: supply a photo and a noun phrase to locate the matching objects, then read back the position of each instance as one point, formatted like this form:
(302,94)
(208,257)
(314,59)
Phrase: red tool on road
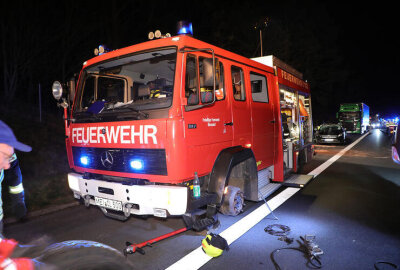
(132,248)
(195,222)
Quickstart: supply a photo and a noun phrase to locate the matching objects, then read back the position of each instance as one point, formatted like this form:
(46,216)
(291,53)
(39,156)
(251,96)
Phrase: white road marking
(330,161)
(197,258)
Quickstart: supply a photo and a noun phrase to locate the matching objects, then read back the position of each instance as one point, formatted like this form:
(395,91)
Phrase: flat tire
(233,201)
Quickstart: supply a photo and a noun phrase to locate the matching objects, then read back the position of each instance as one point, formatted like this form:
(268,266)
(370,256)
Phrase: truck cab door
(263,121)
(208,127)
(242,133)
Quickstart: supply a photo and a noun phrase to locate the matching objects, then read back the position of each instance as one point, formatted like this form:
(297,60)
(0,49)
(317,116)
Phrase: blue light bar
(185,28)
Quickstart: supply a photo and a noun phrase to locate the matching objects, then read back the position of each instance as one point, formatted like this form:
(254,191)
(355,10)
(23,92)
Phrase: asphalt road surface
(351,207)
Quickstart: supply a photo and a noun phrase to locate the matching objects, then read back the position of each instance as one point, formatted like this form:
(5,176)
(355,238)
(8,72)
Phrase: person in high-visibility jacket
(12,177)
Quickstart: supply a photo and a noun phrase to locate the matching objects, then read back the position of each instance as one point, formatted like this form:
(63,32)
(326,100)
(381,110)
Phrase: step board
(297,180)
(267,190)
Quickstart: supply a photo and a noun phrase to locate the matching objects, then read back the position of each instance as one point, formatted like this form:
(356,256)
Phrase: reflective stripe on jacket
(13,179)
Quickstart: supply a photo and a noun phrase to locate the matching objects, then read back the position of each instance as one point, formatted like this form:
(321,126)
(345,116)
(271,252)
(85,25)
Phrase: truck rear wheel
(82,254)
(233,202)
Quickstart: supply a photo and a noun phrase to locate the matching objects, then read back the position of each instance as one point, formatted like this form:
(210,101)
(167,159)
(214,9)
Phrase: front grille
(118,160)
(348,126)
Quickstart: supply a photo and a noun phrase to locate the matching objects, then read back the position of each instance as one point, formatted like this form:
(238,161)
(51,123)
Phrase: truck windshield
(143,81)
(349,116)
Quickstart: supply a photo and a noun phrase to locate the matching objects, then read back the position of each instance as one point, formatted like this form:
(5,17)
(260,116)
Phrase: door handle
(228,124)
(272,122)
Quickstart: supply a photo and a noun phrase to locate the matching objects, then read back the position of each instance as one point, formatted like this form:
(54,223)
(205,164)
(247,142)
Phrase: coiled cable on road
(312,260)
(282,233)
(284,230)
(308,247)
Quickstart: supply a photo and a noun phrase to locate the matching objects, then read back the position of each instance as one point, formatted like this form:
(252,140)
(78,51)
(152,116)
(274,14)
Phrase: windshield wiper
(128,106)
(145,115)
(87,117)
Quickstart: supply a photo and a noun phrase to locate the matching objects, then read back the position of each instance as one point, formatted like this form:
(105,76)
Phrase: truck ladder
(265,187)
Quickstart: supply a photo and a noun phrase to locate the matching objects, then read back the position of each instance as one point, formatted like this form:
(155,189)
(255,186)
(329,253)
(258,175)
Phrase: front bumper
(135,199)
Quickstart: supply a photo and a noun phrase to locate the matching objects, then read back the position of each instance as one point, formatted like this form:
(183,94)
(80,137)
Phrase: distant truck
(354,117)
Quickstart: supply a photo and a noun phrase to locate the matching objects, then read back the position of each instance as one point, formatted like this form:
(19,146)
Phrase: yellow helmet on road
(214,245)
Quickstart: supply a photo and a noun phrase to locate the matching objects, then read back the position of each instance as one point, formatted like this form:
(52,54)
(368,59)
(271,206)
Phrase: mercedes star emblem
(107,159)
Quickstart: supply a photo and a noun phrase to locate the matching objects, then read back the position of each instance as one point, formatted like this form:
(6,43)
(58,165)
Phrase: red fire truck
(147,118)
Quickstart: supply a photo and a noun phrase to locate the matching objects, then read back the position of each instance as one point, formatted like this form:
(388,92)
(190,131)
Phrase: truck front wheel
(233,202)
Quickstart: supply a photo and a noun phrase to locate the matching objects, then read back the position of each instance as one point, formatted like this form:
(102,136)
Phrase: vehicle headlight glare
(84,160)
(136,164)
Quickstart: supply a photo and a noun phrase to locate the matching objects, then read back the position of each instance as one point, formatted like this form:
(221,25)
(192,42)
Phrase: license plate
(329,140)
(107,203)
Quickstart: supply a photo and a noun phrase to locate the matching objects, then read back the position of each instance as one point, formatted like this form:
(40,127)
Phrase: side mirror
(71,88)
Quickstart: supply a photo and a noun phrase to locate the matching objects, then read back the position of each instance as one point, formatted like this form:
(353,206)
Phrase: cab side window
(239,92)
(259,88)
(110,89)
(207,80)
(220,83)
(191,90)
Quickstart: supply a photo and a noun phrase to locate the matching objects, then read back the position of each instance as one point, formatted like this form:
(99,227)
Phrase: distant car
(396,145)
(376,124)
(330,133)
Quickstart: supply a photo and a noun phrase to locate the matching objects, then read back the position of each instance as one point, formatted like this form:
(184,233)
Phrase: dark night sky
(345,50)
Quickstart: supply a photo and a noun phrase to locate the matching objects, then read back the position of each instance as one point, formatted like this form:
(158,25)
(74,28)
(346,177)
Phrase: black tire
(81,254)
(233,202)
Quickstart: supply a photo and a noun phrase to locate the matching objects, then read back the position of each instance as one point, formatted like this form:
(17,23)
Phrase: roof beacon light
(185,28)
(101,50)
